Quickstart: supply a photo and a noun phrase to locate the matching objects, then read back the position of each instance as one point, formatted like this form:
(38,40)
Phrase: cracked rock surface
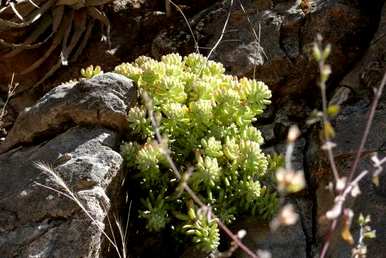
(85,119)
(103,100)
(38,222)
(355,95)
(271,40)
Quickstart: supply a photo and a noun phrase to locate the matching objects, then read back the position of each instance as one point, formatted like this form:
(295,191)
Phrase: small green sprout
(90,71)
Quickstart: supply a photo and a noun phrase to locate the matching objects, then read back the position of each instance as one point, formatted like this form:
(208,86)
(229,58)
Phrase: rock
(285,242)
(75,128)
(104,100)
(38,222)
(368,72)
(271,40)
(349,127)
(267,132)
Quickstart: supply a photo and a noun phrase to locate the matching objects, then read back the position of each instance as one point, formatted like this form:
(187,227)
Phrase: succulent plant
(206,117)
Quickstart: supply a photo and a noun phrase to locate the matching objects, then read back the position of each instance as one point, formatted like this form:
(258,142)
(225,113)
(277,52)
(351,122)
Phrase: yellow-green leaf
(333,110)
(328,130)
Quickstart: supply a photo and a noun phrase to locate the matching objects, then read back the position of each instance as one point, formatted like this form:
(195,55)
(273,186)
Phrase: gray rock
(75,128)
(349,127)
(268,132)
(368,72)
(285,242)
(37,222)
(103,100)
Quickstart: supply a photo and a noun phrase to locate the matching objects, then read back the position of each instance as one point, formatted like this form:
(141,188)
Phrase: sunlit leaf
(333,110)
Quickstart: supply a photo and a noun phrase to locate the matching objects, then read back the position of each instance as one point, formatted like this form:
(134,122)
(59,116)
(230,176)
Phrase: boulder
(75,129)
(103,100)
(38,222)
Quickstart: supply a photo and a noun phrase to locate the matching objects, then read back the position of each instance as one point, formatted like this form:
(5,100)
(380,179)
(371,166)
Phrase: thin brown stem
(223,31)
(197,48)
(377,96)
(168,9)
(343,196)
(328,238)
(330,154)
(186,187)
(11,92)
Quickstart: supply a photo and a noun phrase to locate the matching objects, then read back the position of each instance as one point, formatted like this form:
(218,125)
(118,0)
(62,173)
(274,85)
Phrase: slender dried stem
(330,154)
(377,96)
(186,187)
(223,30)
(168,9)
(197,48)
(351,182)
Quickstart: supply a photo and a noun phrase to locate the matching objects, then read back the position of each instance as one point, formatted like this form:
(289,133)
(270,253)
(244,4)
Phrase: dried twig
(197,48)
(195,198)
(377,96)
(351,182)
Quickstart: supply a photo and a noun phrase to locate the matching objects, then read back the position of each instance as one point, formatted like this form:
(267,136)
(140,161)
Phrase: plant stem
(378,94)
(186,187)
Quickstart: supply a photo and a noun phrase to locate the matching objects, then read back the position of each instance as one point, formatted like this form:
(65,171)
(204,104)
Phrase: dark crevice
(52,132)
(311,193)
(305,231)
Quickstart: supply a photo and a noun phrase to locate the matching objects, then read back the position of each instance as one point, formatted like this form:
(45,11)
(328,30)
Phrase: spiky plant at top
(53,24)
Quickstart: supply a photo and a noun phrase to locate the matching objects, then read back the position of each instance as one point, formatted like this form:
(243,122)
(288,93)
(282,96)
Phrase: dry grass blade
(122,235)
(22,46)
(50,171)
(71,29)
(66,2)
(167,8)
(11,92)
(102,18)
(29,42)
(67,30)
(23,7)
(255,35)
(52,70)
(98,15)
(223,30)
(33,4)
(196,46)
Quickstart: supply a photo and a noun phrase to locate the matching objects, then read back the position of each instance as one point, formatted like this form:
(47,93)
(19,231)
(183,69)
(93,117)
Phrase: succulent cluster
(206,117)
